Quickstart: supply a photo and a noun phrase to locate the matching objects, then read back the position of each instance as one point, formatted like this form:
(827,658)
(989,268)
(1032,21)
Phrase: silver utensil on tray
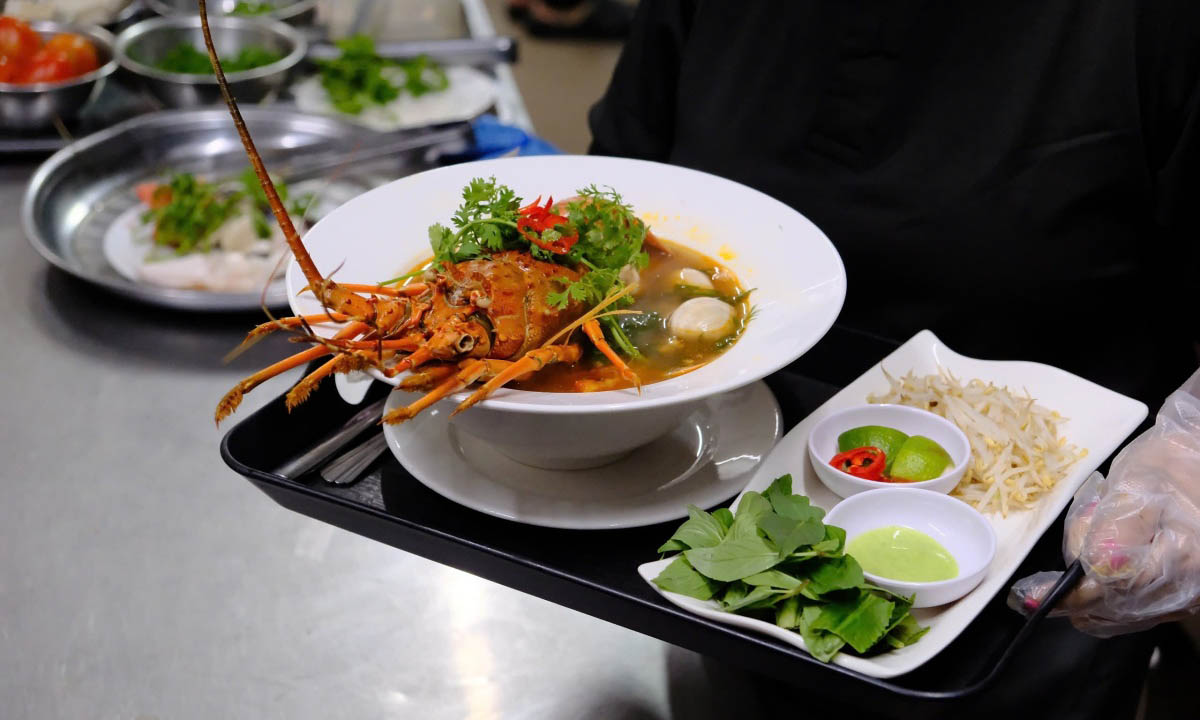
(141,46)
(331,444)
(347,469)
(38,105)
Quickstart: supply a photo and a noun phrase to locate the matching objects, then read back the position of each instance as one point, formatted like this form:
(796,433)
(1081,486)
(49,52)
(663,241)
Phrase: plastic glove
(1136,532)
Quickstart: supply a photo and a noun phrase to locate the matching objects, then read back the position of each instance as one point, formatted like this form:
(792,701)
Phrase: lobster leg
(531,362)
(591,328)
(472,371)
(233,398)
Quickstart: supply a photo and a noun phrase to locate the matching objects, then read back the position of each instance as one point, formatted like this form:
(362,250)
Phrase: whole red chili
(533,220)
(864,462)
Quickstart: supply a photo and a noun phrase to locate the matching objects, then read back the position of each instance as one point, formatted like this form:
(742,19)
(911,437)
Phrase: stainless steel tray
(78,192)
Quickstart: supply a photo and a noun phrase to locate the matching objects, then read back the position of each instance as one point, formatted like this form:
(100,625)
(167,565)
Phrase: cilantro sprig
(774,559)
(610,237)
(194,211)
(359,77)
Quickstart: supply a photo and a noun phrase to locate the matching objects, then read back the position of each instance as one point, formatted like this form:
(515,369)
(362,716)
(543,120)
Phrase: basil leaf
(751,507)
(671,546)
(821,643)
(680,577)
(789,534)
(860,621)
(840,573)
(773,578)
(906,632)
(787,615)
(756,597)
(735,558)
(834,542)
(700,530)
(723,515)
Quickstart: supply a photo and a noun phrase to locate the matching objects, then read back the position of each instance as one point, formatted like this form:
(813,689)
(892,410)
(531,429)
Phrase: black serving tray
(595,572)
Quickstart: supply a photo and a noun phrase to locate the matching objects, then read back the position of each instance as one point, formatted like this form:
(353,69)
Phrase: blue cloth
(494,139)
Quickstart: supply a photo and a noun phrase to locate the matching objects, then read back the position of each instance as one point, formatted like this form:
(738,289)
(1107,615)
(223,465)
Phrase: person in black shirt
(1021,177)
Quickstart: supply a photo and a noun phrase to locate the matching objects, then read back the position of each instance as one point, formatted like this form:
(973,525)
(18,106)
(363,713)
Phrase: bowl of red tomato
(49,70)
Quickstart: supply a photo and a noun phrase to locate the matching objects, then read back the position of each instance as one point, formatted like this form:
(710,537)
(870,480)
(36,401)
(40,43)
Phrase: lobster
(485,319)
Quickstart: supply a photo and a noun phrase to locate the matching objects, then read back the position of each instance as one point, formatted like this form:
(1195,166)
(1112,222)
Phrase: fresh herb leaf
(485,222)
(187,59)
(838,573)
(823,644)
(250,9)
(734,558)
(776,555)
(359,77)
(701,530)
(775,579)
(193,213)
(860,621)
(680,577)
(789,534)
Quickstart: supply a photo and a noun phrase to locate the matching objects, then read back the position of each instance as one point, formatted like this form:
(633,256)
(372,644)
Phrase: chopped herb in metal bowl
(186,59)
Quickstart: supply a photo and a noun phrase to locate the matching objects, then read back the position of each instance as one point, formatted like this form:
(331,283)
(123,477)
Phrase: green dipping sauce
(901,553)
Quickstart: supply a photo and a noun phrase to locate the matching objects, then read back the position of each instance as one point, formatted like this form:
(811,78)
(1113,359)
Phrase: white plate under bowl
(1098,419)
(705,461)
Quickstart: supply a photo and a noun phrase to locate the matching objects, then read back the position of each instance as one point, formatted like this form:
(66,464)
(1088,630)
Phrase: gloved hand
(1136,532)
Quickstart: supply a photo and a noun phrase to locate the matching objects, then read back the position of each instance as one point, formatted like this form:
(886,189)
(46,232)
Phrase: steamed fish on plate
(205,235)
(385,94)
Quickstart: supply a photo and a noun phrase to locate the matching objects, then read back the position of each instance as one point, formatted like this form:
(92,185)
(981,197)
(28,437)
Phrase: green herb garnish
(185,58)
(774,559)
(357,78)
(195,210)
(251,8)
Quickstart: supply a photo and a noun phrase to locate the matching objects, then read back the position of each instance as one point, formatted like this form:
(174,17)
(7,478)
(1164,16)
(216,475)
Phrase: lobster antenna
(311,273)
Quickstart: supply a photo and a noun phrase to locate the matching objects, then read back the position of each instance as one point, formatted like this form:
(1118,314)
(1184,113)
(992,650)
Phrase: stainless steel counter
(140,578)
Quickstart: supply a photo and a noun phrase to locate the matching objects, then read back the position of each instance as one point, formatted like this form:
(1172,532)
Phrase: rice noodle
(1018,455)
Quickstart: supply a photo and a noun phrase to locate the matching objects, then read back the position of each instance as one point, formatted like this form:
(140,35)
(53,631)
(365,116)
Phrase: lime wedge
(886,439)
(919,459)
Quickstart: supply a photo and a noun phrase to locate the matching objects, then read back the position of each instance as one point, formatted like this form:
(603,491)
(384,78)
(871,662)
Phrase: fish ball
(694,278)
(702,318)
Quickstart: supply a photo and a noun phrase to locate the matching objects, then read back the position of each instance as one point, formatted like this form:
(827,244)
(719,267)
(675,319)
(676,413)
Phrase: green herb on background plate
(357,78)
(775,560)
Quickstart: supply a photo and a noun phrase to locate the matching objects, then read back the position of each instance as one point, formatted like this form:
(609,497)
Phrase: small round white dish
(706,460)
(822,446)
(469,94)
(966,534)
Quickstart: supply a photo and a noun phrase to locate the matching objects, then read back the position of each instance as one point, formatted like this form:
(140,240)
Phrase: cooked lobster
(487,318)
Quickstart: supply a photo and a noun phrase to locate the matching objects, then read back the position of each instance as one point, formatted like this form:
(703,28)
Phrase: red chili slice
(864,462)
(534,219)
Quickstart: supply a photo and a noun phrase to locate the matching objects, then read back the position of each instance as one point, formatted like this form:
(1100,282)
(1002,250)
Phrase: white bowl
(822,446)
(797,275)
(966,534)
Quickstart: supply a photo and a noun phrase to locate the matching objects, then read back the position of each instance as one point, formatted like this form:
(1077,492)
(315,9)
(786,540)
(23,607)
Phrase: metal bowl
(38,105)
(145,43)
(296,12)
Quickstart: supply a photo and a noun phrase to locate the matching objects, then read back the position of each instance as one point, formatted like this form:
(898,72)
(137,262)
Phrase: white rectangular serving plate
(1097,419)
